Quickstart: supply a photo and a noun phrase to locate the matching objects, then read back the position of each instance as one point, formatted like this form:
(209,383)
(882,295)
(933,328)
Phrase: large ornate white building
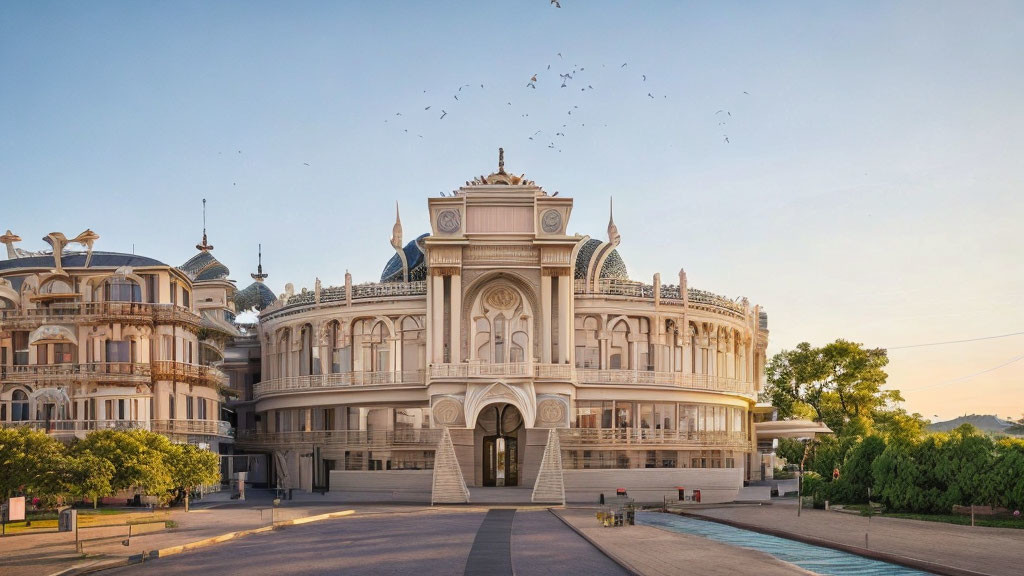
(498,350)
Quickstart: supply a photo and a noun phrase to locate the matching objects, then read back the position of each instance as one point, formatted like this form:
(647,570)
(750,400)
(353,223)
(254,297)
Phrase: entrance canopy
(791,429)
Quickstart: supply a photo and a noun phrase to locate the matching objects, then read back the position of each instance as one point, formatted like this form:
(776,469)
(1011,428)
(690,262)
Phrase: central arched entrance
(498,427)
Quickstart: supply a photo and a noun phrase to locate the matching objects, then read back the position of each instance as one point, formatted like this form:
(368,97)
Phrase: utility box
(67,520)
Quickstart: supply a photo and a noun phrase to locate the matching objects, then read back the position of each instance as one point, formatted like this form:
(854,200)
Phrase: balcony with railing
(480,370)
(642,437)
(408,439)
(100,372)
(669,294)
(167,370)
(130,313)
(193,427)
(704,382)
(61,427)
(338,381)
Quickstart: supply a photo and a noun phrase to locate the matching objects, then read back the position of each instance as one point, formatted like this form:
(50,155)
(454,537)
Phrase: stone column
(437,319)
(564,317)
(545,315)
(456,318)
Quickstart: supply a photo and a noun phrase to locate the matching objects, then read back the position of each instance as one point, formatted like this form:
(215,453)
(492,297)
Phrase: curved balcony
(669,294)
(643,437)
(61,427)
(412,439)
(193,427)
(112,372)
(130,313)
(340,381)
(167,370)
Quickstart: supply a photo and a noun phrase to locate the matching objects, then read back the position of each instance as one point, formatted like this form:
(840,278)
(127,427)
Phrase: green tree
(839,383)
(137,457)
(856,474)
(191,467)
(88,476)
(30,463)
(791,449)
(1003,485)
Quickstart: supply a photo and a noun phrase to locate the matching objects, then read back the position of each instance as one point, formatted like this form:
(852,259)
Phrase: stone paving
(654,552)
(543,545)
(995,551)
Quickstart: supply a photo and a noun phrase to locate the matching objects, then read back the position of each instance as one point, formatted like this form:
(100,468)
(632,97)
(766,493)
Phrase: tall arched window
(19,406)
(517,353)
(283,343)
(498,337)
(413,344)
(309,357)
(121,289)
(341,349)
(588,347)
(483,339)
(380,348)
(618,349)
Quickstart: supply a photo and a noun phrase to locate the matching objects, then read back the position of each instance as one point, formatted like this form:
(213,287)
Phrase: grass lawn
(47,521)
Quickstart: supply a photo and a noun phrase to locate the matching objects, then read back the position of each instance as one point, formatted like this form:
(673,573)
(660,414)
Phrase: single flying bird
(443,114)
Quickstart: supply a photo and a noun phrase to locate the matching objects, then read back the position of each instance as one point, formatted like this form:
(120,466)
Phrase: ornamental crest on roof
(501,178)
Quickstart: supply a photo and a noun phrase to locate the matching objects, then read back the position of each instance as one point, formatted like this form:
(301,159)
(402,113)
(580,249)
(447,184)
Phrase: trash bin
(67,520)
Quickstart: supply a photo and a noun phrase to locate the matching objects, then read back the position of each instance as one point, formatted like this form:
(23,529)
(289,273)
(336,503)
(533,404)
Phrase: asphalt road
(432,542)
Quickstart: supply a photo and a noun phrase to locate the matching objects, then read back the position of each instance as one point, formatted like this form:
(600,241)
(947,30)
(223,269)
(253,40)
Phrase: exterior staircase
(449,487)
(550,486)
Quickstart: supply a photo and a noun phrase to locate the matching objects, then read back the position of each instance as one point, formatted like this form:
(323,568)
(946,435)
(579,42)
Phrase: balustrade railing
(92,371)
(680,379)
(669,293)
(414,438)
(335,381)
(203,427)
(86,312)
(472,370)
(578,437)
(71,426)
(184,372)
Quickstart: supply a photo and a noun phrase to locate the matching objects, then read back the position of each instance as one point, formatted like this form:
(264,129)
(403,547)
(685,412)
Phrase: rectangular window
(174,292)
(201,408)
(120,409)
(64,353)
(20,344)
(189,408)
(185,298)
(118,351)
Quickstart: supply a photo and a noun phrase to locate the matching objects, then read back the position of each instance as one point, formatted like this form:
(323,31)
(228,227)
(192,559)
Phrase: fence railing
(475,370)
(581,437)
(335,381)
(134,372)
(668,293)
(681,379)
(70,426)
(415,438)
(184,372)
(88,312)
(204,427)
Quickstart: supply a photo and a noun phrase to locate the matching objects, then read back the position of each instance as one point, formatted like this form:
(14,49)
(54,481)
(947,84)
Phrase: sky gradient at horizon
(870,188)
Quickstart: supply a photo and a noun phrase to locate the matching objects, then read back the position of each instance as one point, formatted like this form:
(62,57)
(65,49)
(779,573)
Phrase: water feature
(817,559)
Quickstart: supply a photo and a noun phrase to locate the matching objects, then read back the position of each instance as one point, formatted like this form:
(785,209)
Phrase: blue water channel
(817,559)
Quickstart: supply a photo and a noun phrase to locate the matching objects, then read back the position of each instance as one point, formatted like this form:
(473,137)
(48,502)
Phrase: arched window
(19,406)
(56,287)
(341,349)
(309,357)
(483,339)
(413,344)
(618,349)
(499,339)
(121,289)
(588,348)
(283,343)
(380,348)
(519,344)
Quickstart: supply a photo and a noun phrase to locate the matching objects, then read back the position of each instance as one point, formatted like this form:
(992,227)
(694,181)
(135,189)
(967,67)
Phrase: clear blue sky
(870,188)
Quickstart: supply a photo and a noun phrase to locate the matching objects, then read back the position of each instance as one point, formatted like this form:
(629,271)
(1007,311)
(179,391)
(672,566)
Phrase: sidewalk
(979,550)
(54,552)
(651,551)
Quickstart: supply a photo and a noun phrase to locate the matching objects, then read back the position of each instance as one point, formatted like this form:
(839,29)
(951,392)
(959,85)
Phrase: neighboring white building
(517,338)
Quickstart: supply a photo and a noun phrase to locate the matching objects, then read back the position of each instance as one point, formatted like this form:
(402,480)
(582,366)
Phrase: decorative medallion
(447,412)
(551,411)
(502,298)
(449,221)
(551,221)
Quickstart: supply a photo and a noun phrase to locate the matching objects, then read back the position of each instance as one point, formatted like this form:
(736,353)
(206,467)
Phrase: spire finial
(501,160)
(396,230)
(205,246)
(613,231)
(259,276)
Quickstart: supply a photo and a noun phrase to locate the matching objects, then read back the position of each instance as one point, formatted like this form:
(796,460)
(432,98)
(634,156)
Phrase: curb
(172,550)
(614,558)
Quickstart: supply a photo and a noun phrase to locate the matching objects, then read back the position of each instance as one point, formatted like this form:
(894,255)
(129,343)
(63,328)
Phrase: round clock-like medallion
(449,221)
(551,221)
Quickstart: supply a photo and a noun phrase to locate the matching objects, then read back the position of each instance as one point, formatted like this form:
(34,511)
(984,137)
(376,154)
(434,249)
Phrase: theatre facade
(498,350)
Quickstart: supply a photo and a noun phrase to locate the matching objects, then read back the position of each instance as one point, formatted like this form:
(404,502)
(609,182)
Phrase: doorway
(499,426)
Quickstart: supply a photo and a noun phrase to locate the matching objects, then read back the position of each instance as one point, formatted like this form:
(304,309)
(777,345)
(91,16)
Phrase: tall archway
(497,435)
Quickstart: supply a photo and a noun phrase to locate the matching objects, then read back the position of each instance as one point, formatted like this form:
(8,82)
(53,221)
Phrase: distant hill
(986,423)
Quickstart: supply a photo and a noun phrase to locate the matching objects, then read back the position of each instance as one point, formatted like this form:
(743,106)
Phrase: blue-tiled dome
(204,266)
(414,255)
(77,260)
(614,266)
(256,295)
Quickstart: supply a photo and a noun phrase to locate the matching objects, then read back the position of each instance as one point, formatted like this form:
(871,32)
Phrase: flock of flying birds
(574,78)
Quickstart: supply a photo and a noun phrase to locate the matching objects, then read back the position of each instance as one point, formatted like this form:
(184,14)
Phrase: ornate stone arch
(479,396)
(473,291)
